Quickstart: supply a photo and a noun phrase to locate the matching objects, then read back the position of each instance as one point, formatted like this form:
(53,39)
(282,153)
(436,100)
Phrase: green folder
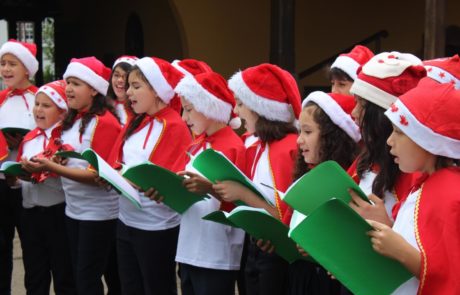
(107,172)
(335,236)
(15,130)
(167,183)
(12,168)
(215,166)
(327,180)
(261,225)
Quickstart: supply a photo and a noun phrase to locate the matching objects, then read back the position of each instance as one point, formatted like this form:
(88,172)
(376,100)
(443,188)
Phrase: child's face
(46,112)
(408,155)
(143,97)
(341,86)
(195,120)
(308,140)
(250,118)
(13,72)
(119,83)
(358,111)
(79,94)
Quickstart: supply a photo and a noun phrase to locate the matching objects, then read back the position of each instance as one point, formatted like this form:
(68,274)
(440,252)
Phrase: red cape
(3,147)
(438,232)
(282,157)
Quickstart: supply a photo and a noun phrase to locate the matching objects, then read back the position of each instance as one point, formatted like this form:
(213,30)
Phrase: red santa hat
(191,66)
(350,62)
(161,75)
(387,76)
(428,114)
(444,70)
(56,92)
(25,52)
(129,59)
(269,91)
(210,95)
(91,71)
(338,107)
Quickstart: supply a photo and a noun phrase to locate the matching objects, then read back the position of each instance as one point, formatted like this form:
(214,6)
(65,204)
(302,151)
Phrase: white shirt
(152,216)
(250,140)
(47,193)
(83,201)
(121,113)
(14,112)
(389,198)
(405,226)
(208,244)
(262,174)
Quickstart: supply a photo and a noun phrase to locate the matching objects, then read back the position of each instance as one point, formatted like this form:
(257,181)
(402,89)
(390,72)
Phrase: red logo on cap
(394,108)
(442,74)
(403,120)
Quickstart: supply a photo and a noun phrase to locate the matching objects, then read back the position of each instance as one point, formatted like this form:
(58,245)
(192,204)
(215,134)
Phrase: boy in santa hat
(18,65)
(44,242)
(425,236)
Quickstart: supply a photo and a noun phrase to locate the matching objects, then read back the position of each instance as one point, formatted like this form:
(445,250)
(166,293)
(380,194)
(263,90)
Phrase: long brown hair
(269,131)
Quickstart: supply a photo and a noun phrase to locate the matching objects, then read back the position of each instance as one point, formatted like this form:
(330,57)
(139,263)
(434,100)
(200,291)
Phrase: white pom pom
(235,123)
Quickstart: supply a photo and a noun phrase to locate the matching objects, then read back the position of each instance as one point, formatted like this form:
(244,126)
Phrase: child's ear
(93,92)
(62,115)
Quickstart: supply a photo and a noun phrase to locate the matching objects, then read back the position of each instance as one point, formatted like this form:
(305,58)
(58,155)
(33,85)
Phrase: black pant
(205,281)
(266,274)
(90,245)
(111,277)
(46,251)
(309,278)
(146,260)
(10,215)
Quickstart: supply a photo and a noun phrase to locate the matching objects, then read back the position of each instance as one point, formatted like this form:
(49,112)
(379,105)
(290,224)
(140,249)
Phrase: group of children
(390,120)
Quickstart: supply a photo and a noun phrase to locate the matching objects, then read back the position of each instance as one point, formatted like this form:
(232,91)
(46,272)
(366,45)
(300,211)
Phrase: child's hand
(375,212)
(13,140)
(60,160)
(229,191)
(35,165)
(386,241)
(265,246)
(195,183)
(302,251)
(103,183)
(154,195)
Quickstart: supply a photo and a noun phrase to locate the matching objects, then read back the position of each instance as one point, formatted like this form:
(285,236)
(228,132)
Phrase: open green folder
(261,225)
(12,168)
(15,130)
(335,236)
(107,172)
(327,180)
(216,166)
(167,183)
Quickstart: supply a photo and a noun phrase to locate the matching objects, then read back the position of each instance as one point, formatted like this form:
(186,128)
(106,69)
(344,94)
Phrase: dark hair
(125,67)
(375,130)
(338,74)
(136,121)
(444,162)
(269,131)
(334,143)
(98,107)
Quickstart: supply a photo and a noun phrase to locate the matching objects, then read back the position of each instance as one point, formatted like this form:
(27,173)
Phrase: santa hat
(210,95)
(25,52)
(56,92)
(269,91)
(91,71)
(428,114)
(350,62)
(444,70)
(129,59)
(338,108)
(387,76)
(191,66)
(161,75)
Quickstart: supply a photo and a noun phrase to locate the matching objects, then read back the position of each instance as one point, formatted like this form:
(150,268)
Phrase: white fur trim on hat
(23,54)
(82,72)
(425,137)
(156,79)
(54,96)
(346,64)
(175,64)
(335,113)
(442,76)
(203,101)
(373,94)
(267,108)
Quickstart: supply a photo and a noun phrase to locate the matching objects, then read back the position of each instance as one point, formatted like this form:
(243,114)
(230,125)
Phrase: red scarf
(5,94)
